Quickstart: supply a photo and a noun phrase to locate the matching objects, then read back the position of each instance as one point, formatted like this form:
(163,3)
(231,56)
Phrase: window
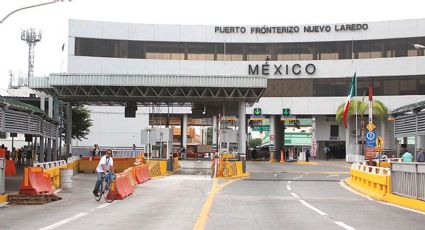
(257,52)
(334,131)
(229,52)
(200,51)
(326,51)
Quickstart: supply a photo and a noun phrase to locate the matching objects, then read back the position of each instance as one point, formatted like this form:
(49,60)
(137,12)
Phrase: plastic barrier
(35,182)
(141,173)
(131,176)
(375,181)
(119,188)
(10,169)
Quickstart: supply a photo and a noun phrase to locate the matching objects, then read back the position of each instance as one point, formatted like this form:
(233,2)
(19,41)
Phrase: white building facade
(309,67)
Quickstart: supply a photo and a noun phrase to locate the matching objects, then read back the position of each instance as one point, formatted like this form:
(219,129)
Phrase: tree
(379,110)
(255,142)
(81,122)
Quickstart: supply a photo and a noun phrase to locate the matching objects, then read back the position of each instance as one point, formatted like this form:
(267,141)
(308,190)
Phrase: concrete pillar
(50,109)
(242,129)
(68,129)
(184,132)
(276,137)
(54,150)
(49,149)
(42,101)
(42,147)
(214,136)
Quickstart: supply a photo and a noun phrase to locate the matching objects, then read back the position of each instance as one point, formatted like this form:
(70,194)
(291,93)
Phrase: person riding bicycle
(106,164)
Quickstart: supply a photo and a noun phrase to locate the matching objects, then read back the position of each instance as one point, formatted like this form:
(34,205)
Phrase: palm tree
(379,110)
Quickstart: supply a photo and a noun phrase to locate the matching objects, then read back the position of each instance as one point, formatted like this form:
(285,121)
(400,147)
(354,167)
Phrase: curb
(389,198)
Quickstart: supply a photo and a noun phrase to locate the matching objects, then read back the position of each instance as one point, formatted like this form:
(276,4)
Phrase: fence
(408,179)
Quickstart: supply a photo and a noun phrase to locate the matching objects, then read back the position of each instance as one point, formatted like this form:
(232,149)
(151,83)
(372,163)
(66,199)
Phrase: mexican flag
(351,94)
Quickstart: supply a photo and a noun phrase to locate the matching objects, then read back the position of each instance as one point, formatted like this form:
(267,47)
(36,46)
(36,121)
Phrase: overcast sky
(52,19)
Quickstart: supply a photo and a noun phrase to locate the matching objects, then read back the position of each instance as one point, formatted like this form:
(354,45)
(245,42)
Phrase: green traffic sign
(257,111)
(286,112)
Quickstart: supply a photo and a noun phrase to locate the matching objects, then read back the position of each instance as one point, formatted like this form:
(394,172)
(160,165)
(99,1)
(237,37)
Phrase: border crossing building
(304,68)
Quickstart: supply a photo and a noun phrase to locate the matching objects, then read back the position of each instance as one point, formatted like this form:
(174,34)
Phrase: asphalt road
(275,196)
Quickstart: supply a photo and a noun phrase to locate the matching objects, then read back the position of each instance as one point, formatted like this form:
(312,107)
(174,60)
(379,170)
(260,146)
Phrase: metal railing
(126,153)
(72,159)
(408,179)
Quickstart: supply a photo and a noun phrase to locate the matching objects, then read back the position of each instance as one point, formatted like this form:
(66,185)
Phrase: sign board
(371,139)
(370,126)
(257,118)
(370,152)
(288,118)
(286,112)
(380,142)
(379,149)
(257,111)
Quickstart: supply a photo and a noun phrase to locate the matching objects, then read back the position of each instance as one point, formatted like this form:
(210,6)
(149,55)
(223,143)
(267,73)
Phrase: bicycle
(105,188)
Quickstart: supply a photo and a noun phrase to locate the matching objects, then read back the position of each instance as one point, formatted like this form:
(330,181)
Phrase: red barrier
(118,191)
(10,168)
(142,173)
(35,182)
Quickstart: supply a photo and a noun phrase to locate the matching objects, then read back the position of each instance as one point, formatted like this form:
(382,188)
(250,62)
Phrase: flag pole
(352,62)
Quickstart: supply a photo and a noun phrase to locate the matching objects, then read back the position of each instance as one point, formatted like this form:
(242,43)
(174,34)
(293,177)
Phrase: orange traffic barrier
(118,191)
(282,156)
(10,168)
(131,176)
(142,173)
(35,182)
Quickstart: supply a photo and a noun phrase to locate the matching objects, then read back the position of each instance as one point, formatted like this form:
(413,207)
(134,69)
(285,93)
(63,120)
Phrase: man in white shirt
(106,163)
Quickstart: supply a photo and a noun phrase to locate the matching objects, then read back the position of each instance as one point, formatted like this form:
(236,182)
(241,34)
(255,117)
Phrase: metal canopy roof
(121,88)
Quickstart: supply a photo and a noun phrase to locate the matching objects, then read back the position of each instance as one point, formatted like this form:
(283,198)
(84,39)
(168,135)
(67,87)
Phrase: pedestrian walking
(420,155)
(307,154)
(327,151)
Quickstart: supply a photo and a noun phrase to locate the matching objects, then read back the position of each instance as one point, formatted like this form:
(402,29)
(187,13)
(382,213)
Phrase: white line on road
(105,205)
(288,187)
(401,207)
(348,227)
(298,177)
(312,208)
(294,195)
(62,222)
(332,175)
(289,182)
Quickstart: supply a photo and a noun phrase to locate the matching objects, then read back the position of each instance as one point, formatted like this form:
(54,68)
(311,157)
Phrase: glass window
(200,51)
(229,52)
(361,49)
(326,51)
(257,52)
(136,49)
(408,87)
(167,51)
(421,87)
(391,87)
(376,49)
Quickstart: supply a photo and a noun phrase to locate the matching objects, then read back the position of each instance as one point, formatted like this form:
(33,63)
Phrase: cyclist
(106,164)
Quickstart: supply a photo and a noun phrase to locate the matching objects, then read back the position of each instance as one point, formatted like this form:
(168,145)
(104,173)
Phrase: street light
(28,7)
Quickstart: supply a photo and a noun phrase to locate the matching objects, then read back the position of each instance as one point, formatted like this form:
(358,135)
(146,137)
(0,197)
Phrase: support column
(49,149)
(50,107)
(242,129)
(55,118)
(279,137)
(214,136)
(42,102)
(272,137)
(184,132)
(68,129)
(42,147)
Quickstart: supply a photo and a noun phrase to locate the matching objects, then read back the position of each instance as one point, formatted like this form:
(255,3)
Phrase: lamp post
(28,7)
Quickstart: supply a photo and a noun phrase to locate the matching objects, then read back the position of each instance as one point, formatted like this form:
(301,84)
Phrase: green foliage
(81,122)
(255,142)
(379,109)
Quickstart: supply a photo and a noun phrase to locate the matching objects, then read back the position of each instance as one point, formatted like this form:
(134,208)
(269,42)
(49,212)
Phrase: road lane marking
(289,182)
(313,208)
(332,175)
(294,195)
(348,227)
(288,187)
(203,216)
(62,222)
(298,177)
(105,205)
(401,207)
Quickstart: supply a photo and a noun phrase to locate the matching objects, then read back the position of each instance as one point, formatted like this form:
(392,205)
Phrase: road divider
(35,182)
